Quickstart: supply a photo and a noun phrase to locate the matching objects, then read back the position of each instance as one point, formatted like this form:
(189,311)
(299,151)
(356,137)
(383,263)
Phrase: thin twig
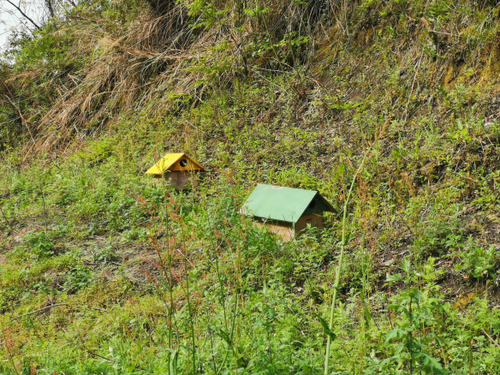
(24,14)
(412,85)
(441,32)
(491,339)
(191,124)
(8,95)
(44,209)
(91,352)
(36,311)
(339,267)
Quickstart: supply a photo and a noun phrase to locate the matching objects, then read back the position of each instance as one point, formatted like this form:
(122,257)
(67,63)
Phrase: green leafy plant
(79,276)
(479,262)
(39,245)
(410,334)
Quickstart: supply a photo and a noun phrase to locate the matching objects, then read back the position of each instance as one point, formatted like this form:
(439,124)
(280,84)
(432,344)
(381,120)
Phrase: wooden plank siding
(181,180)
(287,231)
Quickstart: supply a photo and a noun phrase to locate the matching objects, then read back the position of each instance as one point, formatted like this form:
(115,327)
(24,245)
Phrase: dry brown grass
(147,65)
(152,61)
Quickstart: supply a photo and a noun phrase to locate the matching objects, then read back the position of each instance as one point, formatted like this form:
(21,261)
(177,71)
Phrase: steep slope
(104,271)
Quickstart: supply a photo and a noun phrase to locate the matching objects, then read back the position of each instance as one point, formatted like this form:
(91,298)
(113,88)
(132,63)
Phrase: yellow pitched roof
(168,160)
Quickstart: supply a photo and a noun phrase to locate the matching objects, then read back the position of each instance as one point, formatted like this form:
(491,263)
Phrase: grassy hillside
(104,271)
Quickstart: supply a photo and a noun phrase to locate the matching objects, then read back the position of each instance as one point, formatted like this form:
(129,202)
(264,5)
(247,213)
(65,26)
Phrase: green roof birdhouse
(286,211)
(178,169)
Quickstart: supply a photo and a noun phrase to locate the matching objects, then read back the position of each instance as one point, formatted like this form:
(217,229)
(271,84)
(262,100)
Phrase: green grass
(248,300)
(104,271)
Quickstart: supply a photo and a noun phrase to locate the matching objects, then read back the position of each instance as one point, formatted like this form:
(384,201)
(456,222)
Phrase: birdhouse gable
(174,162)
(283,204)
(317,205)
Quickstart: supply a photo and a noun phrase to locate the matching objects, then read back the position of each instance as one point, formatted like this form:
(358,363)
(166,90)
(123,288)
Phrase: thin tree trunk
(50,6)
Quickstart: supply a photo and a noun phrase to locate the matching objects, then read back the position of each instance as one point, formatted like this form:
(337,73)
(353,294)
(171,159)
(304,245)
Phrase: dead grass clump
(167,54)
(151,60)
(173,55)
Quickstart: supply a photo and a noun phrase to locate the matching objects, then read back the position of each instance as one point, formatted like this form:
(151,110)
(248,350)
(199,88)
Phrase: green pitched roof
(284,204)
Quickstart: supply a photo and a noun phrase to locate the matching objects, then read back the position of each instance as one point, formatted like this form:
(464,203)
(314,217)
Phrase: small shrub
(104,256)
(79,277)
(40,245)
(479,262)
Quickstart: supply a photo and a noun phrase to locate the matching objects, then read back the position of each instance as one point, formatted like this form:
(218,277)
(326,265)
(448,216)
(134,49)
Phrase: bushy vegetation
(104,271)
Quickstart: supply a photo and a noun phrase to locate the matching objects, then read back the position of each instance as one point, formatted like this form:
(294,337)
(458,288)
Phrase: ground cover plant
(388,108)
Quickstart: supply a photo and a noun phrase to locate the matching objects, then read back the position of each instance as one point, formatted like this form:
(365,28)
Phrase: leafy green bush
(79,276)
(480,262)
(39,245)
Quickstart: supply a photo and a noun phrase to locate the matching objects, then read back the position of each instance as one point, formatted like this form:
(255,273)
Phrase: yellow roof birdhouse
(178,169)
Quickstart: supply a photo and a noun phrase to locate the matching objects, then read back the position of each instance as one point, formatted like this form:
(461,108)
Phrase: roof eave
(266,219)
(327,204)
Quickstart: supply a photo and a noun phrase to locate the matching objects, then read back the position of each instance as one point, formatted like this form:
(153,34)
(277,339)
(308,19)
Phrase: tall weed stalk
(339,266)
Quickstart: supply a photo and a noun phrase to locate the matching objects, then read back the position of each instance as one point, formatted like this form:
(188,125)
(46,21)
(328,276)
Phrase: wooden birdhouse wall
(279,228)
(315,220)
(287,231)
(182,180)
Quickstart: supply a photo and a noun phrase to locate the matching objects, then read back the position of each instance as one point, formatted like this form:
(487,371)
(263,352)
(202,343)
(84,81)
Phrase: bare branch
(36,311)
(24,14)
